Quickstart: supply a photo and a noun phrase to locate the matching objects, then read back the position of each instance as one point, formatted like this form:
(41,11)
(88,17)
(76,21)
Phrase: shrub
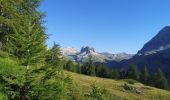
(11,78)
(130,81)
(96,93)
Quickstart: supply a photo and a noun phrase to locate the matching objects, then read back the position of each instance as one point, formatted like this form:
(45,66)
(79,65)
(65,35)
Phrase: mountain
(87,52)
(69,51)
(154,54)
(159,43)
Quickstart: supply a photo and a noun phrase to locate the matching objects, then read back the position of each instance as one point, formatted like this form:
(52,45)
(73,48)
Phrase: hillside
(115,88)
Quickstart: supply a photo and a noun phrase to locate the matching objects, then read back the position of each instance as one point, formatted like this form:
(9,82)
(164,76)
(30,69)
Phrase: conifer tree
(54,56)
(115,74)
(101,70)
(28,42)
(96,93)
(160,80)
(8,15)
(145,76)
(133,72)
(78,68)
(88,68)
(70,66)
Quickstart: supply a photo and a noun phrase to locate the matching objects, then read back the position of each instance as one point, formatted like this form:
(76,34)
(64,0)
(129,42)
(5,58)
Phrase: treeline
(156,79)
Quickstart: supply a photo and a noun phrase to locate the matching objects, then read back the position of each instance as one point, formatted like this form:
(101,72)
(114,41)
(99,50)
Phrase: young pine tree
(96,93)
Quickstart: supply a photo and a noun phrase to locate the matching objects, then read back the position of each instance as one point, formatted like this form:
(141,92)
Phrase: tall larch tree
(28,41)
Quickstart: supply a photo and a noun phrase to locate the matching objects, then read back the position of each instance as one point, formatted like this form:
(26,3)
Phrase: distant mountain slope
(115,88)
(87,52)
(155,54)
(160,42)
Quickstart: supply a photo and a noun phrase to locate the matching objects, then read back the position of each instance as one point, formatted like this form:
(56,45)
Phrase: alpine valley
(154,54)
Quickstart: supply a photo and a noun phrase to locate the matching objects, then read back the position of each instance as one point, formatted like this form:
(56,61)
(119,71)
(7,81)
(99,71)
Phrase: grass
(115,88)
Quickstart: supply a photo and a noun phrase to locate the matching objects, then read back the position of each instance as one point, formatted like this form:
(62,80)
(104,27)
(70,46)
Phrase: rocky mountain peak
(87,50)
(160,42)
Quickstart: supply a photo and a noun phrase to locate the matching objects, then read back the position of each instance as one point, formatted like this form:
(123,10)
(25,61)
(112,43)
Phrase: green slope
(115,88)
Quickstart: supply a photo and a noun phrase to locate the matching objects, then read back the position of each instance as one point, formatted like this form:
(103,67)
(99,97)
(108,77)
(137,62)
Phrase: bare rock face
(159,43)
(69,51)
(87,50)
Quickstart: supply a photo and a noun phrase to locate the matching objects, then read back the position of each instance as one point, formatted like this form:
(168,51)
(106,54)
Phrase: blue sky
(107,25)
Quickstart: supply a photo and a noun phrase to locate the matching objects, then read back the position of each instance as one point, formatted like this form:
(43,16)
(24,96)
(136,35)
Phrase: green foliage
(78,68)
(11,78)
(70,66)
(96,93)
(88,68)
(49,83)
(3,97)
(145,76)
(54,56)
(114,73)
(101,70)
(133,72)
(3,54)
(28,42)
(160,80)
(130,81)
(43,83)
(22,33)
(8,14)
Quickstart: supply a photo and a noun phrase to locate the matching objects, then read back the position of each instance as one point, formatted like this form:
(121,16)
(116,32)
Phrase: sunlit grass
(115,87)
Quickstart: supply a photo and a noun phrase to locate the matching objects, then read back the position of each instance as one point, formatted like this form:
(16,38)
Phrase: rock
(86,52)
(138,91)
(69,51)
